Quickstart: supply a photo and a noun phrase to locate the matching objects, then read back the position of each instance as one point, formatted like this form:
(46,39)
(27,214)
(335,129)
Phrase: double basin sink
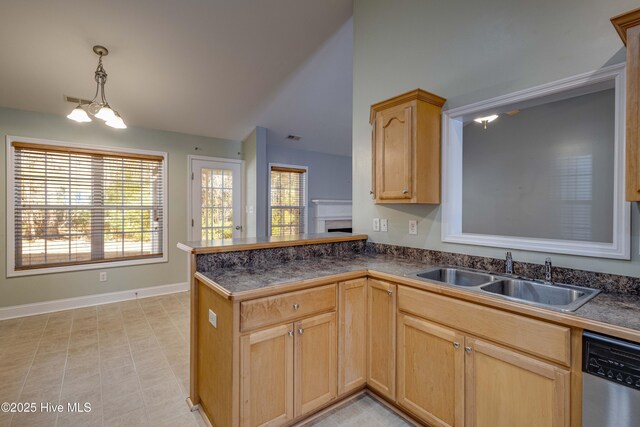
(555,296)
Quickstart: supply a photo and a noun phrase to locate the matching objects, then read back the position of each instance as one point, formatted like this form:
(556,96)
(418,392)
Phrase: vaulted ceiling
(215,68)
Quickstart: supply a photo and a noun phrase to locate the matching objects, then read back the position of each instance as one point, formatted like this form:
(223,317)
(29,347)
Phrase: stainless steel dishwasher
(610,382)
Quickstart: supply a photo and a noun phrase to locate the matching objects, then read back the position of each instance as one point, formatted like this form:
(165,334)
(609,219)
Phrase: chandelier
(98,106)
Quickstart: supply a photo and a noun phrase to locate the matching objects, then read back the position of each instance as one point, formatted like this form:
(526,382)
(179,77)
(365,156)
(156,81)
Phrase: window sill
(11,272)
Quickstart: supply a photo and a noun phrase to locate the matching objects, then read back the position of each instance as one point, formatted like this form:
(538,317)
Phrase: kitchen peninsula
(283,329)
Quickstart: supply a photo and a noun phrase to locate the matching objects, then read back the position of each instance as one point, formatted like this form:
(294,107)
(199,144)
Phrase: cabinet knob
(290,333)
(371,192)
(405,191)
(456,345)
(390,292)
(296,306)
(300,331)
(467,349)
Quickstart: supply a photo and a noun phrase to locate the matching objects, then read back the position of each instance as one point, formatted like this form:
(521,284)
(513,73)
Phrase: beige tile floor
(129,360)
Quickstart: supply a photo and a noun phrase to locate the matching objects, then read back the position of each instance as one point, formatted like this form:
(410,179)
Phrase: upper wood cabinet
(628,27)
(406,148)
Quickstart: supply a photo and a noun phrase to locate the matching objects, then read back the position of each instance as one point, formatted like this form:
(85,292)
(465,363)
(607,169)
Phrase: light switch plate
(103,276)
(384,225)
(413,226)
(213,318)
(376,224)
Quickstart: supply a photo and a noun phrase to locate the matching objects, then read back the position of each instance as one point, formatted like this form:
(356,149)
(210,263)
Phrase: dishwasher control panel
(612,359)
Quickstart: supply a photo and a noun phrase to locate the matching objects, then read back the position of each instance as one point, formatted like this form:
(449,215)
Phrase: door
(315,358)
(431,371)
(394,148)
(266,387)
(352,335)
(505,388)
(216,198)
(381,337)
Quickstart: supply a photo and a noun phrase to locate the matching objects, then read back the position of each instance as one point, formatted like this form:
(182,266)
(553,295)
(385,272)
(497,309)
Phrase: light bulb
(79,115)
(116,122)
(106,113)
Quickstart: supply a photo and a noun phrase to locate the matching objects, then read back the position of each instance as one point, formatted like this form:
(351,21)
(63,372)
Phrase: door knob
(238,227)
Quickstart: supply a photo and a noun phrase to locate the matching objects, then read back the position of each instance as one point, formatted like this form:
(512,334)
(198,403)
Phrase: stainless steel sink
(562,297)
(455,276)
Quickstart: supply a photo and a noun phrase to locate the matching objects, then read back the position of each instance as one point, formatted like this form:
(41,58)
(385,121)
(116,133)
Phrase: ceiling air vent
(294,137)
(74,100)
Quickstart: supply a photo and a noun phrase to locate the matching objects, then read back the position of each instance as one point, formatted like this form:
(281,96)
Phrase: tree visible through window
(287,200)
(77,206)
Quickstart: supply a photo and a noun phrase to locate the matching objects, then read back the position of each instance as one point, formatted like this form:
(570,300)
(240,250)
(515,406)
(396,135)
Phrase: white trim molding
(10,224)
(452,125)
(89,300)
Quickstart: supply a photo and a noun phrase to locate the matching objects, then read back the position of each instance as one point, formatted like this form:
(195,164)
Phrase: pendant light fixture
(98,106)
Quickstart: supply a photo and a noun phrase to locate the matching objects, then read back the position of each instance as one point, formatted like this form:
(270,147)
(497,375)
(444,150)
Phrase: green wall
(469,51)
(30,289)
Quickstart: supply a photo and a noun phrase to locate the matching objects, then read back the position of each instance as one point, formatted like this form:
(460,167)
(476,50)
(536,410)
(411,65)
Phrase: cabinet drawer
(533,336)
(285,307)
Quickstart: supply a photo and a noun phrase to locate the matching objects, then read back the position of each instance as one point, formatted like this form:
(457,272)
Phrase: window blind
(288,202)
(79,206)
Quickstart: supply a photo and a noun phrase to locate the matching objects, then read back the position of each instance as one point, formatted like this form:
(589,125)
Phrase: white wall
(29,289)
(254,152)
(469,51)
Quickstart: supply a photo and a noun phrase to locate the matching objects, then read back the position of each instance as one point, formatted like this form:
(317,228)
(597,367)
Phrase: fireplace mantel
(330,211)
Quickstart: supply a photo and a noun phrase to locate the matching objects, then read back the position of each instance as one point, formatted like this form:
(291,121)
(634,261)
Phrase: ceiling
(214,68)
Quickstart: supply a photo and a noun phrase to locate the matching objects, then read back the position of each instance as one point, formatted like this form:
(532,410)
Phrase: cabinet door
(381,337)
(352,335)
(394,153)
(267,377)
(431,371)
(316,374)
(505,388)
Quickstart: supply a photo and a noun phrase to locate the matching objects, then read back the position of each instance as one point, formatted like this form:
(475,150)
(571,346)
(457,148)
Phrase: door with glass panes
(216,197)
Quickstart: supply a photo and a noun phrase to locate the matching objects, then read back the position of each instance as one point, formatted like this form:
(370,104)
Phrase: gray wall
(254,153)
(546,172)
(471,51)
(29,289)
(329,175)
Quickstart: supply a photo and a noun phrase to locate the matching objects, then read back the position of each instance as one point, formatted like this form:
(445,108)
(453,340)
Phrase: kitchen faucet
(508,268)
(547,271)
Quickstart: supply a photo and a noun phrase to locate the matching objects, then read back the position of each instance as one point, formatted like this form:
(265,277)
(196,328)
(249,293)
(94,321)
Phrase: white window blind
(287,200)
(79,206)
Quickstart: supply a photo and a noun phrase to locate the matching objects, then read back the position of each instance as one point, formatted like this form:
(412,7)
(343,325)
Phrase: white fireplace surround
(332,214)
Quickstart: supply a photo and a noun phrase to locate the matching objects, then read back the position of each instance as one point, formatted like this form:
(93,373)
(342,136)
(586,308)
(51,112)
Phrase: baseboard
(89,300)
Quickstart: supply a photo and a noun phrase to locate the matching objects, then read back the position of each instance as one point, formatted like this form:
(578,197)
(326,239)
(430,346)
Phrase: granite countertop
(244,243)
(614,309)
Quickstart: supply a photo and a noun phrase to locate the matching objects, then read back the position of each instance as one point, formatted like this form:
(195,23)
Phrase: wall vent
(74,100)
(294,137)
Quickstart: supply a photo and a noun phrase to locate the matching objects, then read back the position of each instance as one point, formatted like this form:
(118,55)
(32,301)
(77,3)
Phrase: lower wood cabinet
(352,335)
(448,379)
(267,377)
(288,370)
(431,371)
(381,337)
(505,388)
(315,360)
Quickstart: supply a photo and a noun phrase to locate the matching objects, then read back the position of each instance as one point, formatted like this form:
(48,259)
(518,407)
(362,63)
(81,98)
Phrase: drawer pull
(296,306)
(300,331)
(456,345)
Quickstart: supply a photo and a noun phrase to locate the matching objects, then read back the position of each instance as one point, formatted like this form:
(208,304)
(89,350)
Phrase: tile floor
(362,412)
(129,360)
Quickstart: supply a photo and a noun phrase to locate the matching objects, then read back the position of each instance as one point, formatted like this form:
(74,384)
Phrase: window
(287,200)
(547,175)
(74,206)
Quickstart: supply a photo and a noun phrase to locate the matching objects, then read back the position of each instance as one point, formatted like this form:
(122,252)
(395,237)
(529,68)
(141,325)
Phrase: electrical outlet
(103,276)
(413,226)
(213,318)
(384,225)
(376,224)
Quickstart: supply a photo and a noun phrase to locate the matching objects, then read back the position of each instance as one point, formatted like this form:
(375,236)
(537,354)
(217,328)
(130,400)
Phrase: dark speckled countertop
(613,309)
